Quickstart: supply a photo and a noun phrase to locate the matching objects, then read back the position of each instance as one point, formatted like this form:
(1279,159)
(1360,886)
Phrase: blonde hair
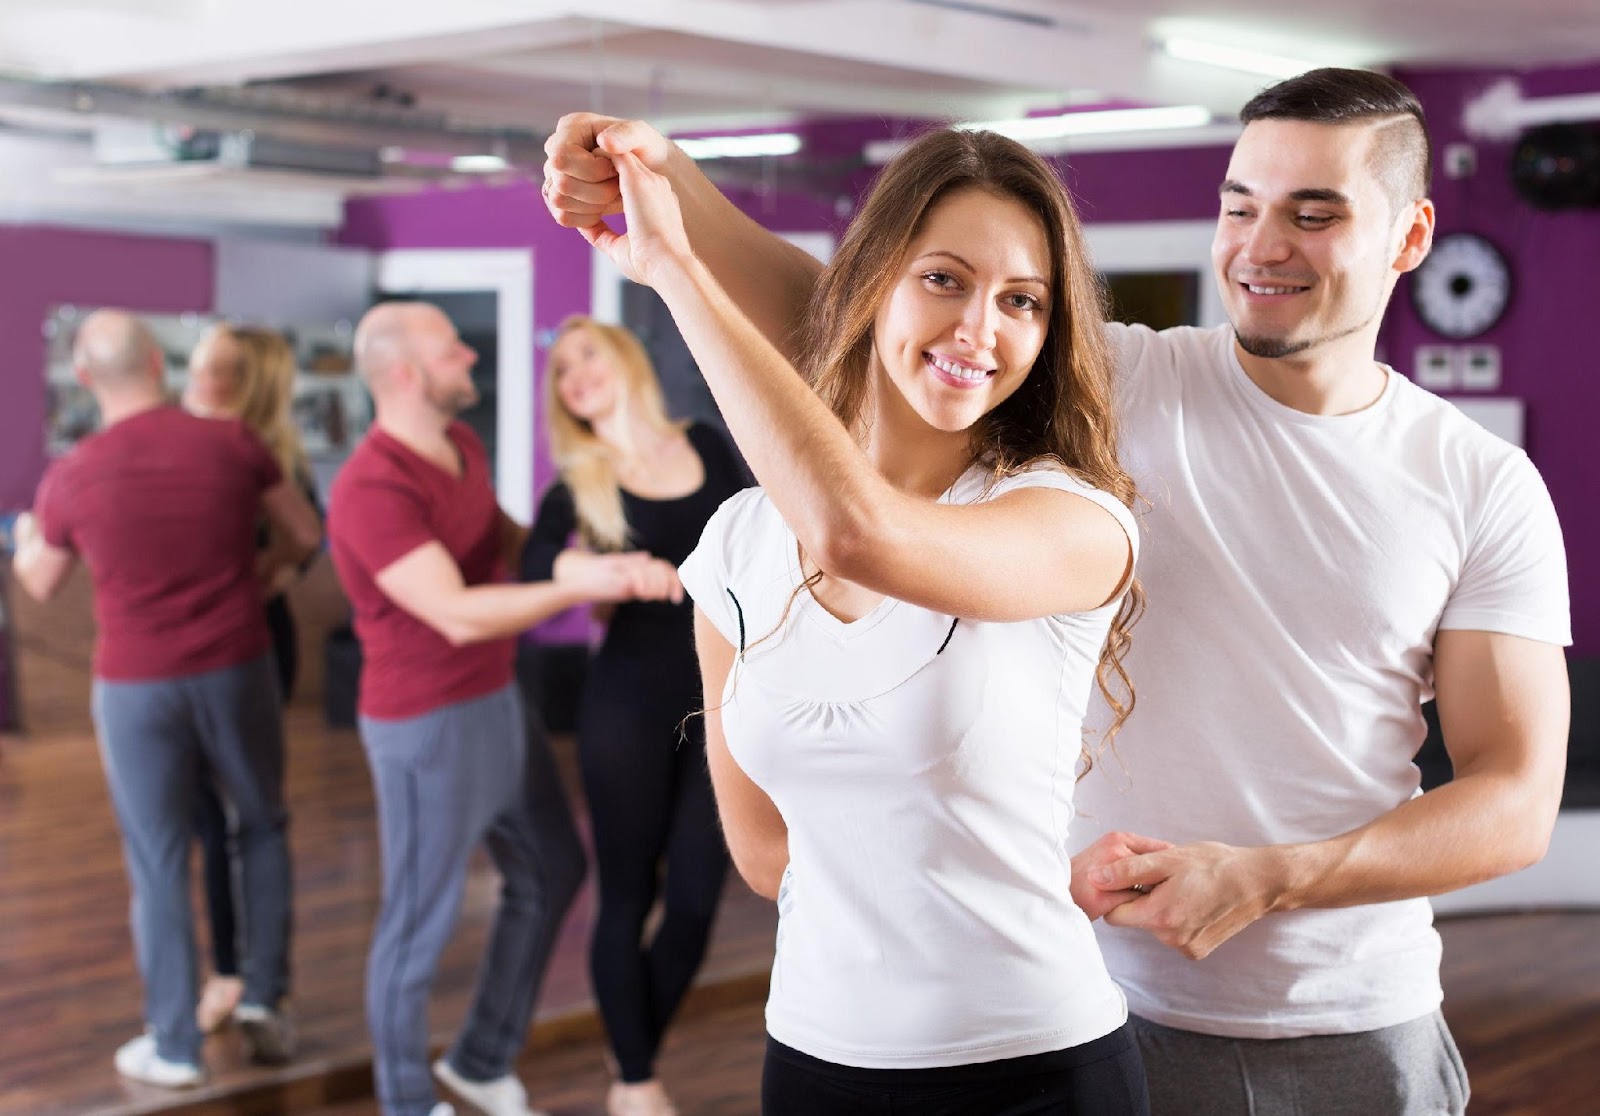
(585,461)
(264,370)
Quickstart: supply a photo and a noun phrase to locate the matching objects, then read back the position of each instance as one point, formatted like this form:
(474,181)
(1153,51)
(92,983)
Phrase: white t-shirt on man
(1297,568)
(924,766)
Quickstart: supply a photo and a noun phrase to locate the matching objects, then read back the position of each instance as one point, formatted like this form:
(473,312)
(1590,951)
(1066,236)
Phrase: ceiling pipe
(350,124)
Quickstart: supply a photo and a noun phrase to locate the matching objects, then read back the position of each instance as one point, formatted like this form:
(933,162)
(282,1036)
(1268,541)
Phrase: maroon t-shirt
(162,507)
(386,502)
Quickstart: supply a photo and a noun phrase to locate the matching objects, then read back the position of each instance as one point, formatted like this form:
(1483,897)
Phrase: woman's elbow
(847,544)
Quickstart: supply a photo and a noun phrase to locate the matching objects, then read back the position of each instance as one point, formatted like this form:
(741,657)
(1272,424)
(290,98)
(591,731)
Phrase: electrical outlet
(1436,368)
(1480,368)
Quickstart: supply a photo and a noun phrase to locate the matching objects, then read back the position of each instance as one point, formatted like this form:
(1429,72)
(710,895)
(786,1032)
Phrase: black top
(668,529)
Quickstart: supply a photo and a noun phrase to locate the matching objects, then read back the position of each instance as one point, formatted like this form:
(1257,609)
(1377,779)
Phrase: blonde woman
(631,479)
(247,373)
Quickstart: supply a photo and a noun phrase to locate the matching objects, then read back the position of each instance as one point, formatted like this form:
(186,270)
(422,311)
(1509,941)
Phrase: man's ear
(1415,235)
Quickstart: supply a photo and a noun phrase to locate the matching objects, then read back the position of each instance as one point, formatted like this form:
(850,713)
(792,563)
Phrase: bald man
(422,548)
(162,508)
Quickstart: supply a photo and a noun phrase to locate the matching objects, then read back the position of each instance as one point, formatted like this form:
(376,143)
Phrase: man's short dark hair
(1402,155)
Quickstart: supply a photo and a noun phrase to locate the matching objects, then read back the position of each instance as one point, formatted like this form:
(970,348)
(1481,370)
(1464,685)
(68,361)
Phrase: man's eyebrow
(1308,194)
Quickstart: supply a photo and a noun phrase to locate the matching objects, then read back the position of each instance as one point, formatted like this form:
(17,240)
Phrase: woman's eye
(1024,302)
(941,279)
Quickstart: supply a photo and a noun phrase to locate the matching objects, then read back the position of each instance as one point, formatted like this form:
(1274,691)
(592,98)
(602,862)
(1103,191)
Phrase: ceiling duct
(336,124)
(141,143)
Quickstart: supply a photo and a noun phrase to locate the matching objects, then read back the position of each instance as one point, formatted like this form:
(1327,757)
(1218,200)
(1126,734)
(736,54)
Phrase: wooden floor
(69,993)
(1522,991)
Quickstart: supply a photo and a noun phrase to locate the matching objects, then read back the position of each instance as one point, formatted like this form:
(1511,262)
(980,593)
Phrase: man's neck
(1337,378)
(120,405)
(422,431)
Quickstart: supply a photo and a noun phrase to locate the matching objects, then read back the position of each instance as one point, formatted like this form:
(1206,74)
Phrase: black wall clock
(1463,287)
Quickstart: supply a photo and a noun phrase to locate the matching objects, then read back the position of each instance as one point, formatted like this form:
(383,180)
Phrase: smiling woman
(888,701)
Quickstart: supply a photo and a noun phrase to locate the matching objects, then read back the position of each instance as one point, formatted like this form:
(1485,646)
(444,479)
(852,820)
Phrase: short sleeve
(1515,576)
(380,522)
(52,505)
(257,458)
(704,573)
(1067,482)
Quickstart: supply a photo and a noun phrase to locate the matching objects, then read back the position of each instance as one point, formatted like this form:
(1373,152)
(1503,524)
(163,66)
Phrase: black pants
(655,832)
(1104,1077)
(211,821)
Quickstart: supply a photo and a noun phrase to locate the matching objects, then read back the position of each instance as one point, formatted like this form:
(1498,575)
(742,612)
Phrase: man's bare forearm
(477,613)
(769,279)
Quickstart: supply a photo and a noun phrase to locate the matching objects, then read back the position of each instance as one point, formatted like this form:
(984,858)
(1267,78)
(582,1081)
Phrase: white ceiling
(524,62)
(699,63)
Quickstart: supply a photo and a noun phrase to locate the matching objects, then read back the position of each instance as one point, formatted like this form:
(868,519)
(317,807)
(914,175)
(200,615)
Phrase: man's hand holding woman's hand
(613,578)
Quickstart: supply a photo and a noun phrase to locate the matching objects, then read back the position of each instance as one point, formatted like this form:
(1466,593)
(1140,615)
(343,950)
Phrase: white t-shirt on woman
(925,768)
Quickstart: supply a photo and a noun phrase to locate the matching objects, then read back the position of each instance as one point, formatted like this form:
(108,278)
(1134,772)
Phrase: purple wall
(47,266)
(1545,350)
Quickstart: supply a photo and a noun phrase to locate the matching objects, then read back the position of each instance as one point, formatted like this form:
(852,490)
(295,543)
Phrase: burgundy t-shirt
(386,502)
(162,507)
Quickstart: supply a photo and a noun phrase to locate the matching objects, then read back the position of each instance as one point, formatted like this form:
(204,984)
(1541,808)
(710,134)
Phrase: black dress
(642,755)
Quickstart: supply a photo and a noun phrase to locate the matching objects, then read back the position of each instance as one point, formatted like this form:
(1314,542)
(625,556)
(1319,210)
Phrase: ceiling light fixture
(1095,122)
(740,147)
(478,164)
(1236,58)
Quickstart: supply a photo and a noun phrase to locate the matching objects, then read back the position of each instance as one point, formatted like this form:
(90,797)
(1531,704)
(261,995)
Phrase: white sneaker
(504,1096)
(442,1109)
(137,1059)
(268,1032)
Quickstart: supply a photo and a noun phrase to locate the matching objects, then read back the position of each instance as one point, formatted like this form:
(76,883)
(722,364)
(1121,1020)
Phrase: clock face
(1463,287)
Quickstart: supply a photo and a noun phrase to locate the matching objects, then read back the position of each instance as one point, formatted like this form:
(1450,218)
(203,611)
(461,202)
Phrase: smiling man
(1328,546)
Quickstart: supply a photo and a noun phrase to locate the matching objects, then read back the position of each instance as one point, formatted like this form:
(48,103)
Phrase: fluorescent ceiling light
(478,164)
(1093,123)
(740,147)
(1235,58)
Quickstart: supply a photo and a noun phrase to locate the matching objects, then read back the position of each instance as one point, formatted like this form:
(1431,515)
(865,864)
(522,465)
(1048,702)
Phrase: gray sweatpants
(153,737)
(1412,1069)
(445,780)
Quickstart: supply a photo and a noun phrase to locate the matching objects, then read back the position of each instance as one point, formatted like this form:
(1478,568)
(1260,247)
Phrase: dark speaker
(341,678)
(1557,166)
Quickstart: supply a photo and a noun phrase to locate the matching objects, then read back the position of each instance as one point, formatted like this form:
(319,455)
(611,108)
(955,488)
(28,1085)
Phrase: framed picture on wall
(331,407)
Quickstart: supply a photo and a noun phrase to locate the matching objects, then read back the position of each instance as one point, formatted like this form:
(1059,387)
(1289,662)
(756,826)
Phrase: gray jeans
(153,737)
(446,780)
(1412,1069)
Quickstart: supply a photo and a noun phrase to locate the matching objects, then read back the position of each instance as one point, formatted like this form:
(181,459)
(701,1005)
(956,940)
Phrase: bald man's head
(113,349)
(393,336)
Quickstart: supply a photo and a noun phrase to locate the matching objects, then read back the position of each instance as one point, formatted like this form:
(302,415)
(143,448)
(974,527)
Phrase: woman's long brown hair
(1062,412)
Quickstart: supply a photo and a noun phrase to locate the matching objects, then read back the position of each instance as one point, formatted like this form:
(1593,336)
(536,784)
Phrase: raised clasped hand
(656,241)
(580,180)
